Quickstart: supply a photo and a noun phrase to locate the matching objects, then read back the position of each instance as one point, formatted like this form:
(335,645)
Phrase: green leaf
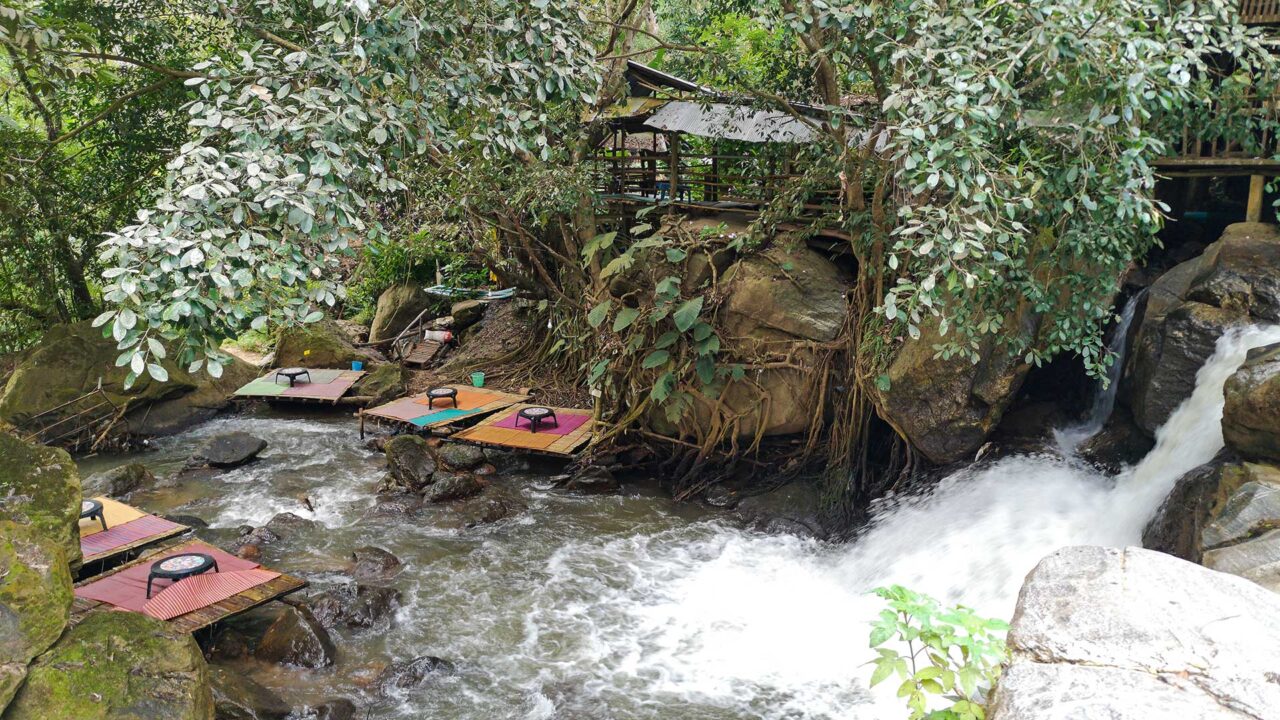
(617,265)
(667,339)
(625,317)
(675,255)
(158,372)
(655,358)
(687,314)
(599,313)
(883,383)
(882,672)
(314,316)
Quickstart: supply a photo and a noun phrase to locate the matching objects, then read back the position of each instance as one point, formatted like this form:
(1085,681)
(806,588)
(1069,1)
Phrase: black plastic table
(440,393)
(292,374)
(91,509)
(177,567)
(536,415)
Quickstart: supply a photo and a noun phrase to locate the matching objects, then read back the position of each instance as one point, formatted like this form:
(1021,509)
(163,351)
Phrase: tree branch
(163,70)
(115,105)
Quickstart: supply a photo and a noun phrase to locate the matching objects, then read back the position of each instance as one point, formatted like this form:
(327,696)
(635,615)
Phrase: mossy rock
(117,666)
(70,361)
(397,307)
(40,487)
(318,345)
(35,601)
(383,383)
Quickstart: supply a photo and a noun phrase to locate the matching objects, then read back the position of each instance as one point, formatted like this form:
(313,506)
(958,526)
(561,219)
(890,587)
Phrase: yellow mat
(116,513)
(513,438)
(468,399)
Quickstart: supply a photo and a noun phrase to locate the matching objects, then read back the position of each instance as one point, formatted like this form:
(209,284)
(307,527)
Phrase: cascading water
(1104,400)
(633,607)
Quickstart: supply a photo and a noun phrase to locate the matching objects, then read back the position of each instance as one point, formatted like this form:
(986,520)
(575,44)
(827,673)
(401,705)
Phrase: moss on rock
(383,383)
(35,601)
(40,487)
(117,666)
(318,345)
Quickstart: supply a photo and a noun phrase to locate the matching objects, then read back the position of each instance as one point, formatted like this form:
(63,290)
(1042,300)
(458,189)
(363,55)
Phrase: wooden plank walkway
(489,432)
(326,386)
(206,616)
(473,402)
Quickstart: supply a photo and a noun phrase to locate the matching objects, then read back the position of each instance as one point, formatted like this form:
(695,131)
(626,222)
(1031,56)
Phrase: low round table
(177,567)
(90,509)
(536,415)
(292,374)
(440,393)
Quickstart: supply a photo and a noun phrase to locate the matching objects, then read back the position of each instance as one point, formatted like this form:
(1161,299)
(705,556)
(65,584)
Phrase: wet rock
(794,508)
(1251,416)
(377,443)
(258,536)
(372,563)
(593,479)
(228,450)
(467,313)
(411,674)
(117,665)
(1110,633)
(35,601)
(400,505)
(297,638)
(398,305)
(236,697)
(119,482)
(485,510)
(249,552)
(1176,527)
(230,644)
(1121,443)
(287,523)
(456,456)
(40,487)
(1257,560)
(1251,511)
(333,709)
(506,461)
(485,470)
(411,462)
(1188,308)
(354,606)
(189,520)
(452,486)
(719,496)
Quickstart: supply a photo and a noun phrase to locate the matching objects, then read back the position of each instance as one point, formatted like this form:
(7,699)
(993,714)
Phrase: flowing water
(632,606)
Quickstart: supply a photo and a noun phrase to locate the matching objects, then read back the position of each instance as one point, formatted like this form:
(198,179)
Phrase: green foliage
(952,654)
(416,258)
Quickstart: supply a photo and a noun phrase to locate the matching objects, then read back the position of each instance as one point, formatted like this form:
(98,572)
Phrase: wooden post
(1257,184)
(673,172)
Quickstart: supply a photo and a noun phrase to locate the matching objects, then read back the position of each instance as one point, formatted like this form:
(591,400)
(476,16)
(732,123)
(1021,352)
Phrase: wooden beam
(1257,184)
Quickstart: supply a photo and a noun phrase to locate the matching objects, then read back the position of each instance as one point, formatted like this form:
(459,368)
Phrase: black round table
(292,374)
(177,567)
(536,415)
(440,393)
(90,509)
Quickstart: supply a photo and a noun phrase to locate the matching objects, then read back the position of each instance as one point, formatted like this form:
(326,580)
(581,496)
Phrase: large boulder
(1194,502)
(1134,634)
(411,462)
(228,450)
(381,384)
(72,360)
(35,601)
(466,313)
(374,563)
(40,487)
(117,666)
(318,345)
(354,606)
(780,301)
(795,508)
(119,482)
(237,697)
(297,638)
(449,486)
(947,407)
(398,305)
(1251,416)
(1233,283)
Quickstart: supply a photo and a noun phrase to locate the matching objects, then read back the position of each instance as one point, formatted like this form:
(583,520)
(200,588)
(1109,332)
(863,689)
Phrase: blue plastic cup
(357,365)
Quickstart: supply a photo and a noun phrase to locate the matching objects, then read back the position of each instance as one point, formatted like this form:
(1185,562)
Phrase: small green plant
(952,653)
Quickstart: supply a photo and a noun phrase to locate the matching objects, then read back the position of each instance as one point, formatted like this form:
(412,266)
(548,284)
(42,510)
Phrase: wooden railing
(1260,12)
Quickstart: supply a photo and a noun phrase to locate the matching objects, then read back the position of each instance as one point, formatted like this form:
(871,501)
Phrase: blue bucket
(357,365)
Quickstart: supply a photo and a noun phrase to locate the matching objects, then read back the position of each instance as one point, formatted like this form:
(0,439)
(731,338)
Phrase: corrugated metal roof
(730,122)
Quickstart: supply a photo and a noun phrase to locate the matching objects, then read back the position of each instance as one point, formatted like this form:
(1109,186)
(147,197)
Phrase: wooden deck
(327,385)
(487,432)
(414,411)
(136,545)
(206,616)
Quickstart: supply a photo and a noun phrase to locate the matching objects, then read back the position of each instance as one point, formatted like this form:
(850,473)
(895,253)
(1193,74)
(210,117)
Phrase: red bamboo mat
(127,589)
(128,533)
(191,594)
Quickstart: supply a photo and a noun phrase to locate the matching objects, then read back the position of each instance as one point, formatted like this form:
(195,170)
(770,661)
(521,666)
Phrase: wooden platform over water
(120,516)
(490,431)
(324,386)
(205,616)
(415,411)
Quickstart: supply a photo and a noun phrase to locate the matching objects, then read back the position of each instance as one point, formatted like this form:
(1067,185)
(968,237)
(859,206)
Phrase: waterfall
(769,615)
(1104,399)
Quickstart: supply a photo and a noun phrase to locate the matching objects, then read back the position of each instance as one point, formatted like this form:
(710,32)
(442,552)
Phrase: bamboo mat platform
(499,429)
(422,353)
(325,386)
(472,402)
(205,616)
(146,530)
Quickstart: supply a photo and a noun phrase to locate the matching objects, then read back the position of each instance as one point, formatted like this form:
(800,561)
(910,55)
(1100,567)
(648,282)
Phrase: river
(632,606)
